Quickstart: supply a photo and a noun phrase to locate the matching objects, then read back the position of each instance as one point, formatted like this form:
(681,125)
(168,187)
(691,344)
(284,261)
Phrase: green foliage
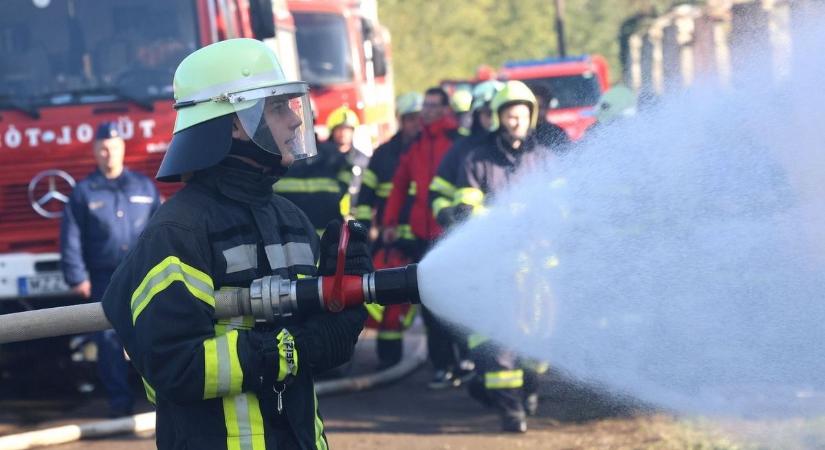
(442,39)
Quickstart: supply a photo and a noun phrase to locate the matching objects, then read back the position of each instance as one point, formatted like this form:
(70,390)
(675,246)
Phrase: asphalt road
(408,415)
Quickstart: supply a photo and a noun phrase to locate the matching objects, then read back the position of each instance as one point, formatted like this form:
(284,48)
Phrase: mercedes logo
(54,183)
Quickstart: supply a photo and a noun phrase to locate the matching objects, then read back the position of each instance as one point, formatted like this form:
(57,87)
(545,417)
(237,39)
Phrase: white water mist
(678,257)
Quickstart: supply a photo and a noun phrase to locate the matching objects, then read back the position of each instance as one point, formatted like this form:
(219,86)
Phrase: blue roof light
(545,61)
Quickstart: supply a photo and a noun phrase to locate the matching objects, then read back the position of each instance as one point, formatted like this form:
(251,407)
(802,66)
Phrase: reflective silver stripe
(149,290)
(141,199)
(290,254)
(242,257)
(224,365)
(244,427)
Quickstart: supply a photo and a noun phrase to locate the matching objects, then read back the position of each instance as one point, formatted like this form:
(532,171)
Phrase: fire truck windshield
(323,46)
(70,51)
(574,91)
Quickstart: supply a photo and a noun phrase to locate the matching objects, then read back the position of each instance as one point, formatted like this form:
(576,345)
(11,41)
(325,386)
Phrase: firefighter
(442,188)
(322,185)
(391,321)
(415,171)
(105,215)
(232,383)
(461,102)
(504,380)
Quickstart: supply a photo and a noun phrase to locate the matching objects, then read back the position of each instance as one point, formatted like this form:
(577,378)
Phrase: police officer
(391,321)
(504,379)
(102,220)
(322,186)
(233,383)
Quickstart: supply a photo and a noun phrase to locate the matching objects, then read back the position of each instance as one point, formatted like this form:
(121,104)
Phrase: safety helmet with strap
(236,78)
(484,92)
(409,103)
(342,116)
(513,92)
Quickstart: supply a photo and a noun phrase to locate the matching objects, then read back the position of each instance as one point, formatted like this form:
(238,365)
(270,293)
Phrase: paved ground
(406,415)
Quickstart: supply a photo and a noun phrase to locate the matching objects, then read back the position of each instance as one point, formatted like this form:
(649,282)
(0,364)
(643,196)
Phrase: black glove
(451,215)
(358,259)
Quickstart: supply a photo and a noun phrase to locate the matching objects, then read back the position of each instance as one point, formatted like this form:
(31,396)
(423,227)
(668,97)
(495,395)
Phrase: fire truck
(575,82)
(344,54)
(68,65)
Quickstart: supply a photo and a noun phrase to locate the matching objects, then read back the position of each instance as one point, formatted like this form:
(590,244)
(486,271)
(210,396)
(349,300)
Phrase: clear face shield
(277,119)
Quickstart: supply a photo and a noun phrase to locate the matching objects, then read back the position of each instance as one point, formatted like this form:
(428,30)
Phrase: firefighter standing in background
(322,186)
(105,215)
(232,383)
(461,103)
(442,188)
(391,321)
(504,380)
(415,171)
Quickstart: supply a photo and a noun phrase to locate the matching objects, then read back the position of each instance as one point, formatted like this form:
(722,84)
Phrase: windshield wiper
(143,103)
(7,102)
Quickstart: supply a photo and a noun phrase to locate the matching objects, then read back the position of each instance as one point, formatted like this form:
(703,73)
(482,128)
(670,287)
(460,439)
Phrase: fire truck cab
(344,54)
(576,83)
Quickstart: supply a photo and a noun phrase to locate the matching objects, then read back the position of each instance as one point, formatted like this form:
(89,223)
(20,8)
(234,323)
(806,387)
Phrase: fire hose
(267,299)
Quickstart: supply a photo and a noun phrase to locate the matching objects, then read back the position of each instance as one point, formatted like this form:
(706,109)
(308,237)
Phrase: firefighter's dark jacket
(102,220)
(377,181)
(492,165)
(213,381)
(317,185)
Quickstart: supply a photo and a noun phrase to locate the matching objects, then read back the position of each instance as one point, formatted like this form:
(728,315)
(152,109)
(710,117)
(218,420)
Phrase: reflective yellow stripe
(165,273)
(222,367)
(363,212)
(439,204)
(404,232)
(505,379)
(150,391)
(384,190)
(408,319)
(413,188)
(540,367)
(345,176)
(442,187)
(320,440)
(370,179)
(474,340)
(468,196)
(244,423)
(306,185)
(345,204)
(390,335)
(375,311)
(287,355)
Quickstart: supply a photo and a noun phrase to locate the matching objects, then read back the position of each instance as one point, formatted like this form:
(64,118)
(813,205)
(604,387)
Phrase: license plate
(42,284)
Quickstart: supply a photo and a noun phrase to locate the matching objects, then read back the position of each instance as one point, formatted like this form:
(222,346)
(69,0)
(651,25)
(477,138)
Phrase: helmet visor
(277,119)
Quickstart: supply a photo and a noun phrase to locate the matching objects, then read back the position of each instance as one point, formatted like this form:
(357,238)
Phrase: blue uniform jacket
(101,222)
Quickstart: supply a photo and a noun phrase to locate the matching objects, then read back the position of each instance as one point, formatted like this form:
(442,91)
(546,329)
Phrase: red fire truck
(65,67)
(576,84)
(345,56)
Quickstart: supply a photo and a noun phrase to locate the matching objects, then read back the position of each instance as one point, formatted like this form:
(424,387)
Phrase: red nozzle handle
(336,303)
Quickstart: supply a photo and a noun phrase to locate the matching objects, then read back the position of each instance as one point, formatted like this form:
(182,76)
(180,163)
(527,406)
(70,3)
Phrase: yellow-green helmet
(236,78)
(342,116)
(617,102)
(461,101)
(409,103)
(484,92)
(513,92)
